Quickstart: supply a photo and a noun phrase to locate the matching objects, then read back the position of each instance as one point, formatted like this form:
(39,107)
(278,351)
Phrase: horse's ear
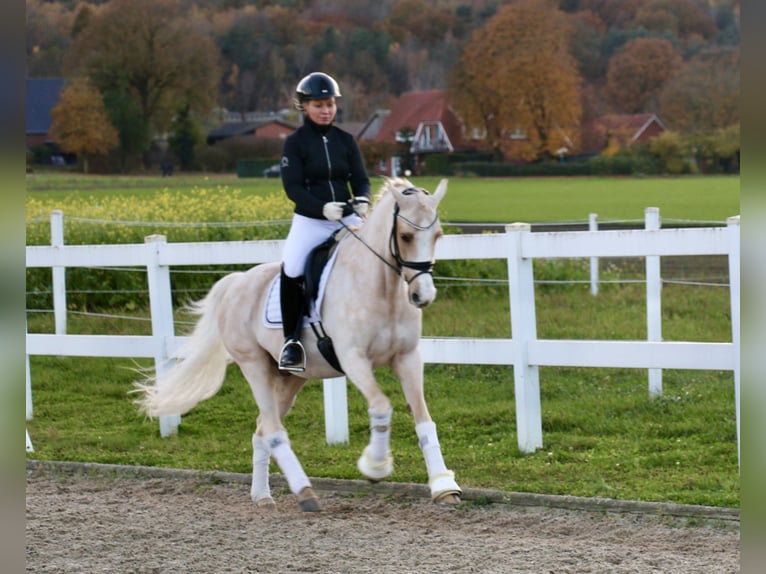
(441,189)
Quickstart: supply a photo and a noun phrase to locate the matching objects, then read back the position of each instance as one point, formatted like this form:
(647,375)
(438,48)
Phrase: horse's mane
(390,183)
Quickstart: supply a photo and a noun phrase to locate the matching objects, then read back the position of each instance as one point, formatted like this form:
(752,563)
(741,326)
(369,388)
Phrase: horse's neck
(371,252)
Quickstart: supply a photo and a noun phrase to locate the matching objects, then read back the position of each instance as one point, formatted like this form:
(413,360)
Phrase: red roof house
(426,121)
(619,131)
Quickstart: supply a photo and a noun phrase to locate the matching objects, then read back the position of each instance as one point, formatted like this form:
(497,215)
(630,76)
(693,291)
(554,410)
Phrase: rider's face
(321,112)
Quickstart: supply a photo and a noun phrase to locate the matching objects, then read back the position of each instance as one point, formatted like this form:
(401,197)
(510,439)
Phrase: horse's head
(416,227)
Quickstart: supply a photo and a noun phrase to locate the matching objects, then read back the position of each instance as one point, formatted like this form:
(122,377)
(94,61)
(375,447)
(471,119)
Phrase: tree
(516,76)
(636,74)
(704,95)
(80,124)
(146,52)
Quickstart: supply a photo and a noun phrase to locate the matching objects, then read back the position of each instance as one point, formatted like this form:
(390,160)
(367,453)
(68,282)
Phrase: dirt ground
(89,523)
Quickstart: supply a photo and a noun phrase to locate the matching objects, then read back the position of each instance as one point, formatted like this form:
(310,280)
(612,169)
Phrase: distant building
(42,95)
(420,123)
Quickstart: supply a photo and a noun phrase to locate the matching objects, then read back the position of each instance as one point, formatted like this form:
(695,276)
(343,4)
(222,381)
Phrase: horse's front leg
(376,461)
(409,369)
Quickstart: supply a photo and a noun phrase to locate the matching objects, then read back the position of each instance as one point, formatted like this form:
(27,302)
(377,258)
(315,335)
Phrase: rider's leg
(292,357)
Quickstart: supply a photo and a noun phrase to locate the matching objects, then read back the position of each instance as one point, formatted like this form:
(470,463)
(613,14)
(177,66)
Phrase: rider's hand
(361,205)
(333,210)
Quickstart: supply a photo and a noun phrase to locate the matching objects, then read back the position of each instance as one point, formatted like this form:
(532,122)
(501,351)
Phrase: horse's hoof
(448,498)
(374,470)
(265,503)
(308,501)
(444,489)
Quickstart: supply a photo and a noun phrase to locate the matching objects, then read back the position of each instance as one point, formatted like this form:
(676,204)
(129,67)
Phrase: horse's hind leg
(275,395)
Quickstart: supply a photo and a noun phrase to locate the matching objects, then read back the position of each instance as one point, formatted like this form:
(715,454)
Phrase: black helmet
(316,86)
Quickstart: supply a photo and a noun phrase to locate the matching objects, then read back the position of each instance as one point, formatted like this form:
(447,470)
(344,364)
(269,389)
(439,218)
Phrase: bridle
(422,267)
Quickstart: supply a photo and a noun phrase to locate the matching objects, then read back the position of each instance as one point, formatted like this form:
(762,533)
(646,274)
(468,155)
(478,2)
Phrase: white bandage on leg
(429,444)
(380,434)
(260,486)
(280,448)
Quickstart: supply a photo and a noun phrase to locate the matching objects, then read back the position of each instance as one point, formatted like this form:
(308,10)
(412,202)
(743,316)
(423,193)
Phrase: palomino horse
(380,281)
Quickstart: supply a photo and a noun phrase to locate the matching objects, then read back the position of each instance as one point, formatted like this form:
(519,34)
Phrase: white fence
(524,351)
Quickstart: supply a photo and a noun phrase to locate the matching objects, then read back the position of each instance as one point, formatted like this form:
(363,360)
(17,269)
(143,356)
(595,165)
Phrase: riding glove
(361,205)
(333,210)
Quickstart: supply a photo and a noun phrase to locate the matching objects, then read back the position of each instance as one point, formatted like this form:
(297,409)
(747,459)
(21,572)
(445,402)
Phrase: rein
(421,267)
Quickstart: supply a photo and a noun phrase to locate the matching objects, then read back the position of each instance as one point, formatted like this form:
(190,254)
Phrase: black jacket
(318,165)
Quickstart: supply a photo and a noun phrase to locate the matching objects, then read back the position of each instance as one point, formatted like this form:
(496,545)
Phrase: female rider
(323,174)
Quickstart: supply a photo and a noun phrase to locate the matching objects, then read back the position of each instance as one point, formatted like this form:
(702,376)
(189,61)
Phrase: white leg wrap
(380,434)
(429,444)
(376,462)
(440,480)
(260,487)
(279,445)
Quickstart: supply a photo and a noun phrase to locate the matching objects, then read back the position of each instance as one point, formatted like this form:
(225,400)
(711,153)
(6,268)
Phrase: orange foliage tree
(80,124)
(517,83)
(637,73)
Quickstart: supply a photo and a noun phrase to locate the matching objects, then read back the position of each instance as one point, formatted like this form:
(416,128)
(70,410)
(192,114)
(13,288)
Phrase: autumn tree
(637,73)
(148,61)
(80,124)
(704,96)
(517,78)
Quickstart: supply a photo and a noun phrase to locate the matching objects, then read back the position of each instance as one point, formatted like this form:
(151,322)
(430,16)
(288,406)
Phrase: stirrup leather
(297,347)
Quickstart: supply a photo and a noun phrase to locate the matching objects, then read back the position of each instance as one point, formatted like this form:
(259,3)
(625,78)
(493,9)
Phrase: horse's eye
(406,237)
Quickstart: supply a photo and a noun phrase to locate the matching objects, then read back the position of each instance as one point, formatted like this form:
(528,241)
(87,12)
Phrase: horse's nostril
(415,298)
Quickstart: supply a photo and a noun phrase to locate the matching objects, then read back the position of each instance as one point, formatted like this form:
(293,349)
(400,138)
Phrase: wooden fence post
(335,410)
(59,274)
(161,304)
(733,228)
(593,226)
(653,299)
(526,377)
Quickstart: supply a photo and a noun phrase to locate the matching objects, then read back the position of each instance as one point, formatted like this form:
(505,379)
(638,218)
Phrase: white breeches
(305,234)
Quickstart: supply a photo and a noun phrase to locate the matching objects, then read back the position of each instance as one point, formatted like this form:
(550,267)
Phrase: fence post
(653,299)
(733,228)
(593,226)
(526,377)
(161,305)
(59,274)
(335,411)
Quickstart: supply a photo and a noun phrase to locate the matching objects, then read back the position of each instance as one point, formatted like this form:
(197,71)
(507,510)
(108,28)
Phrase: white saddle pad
(272,315)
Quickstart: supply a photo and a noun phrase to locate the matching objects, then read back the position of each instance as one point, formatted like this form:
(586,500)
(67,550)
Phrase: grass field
(475,200)
(602,434)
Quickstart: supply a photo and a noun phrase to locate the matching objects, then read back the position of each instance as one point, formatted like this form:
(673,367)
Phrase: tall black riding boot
(292,357)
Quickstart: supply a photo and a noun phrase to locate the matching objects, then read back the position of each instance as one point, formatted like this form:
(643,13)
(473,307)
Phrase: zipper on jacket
(329,166)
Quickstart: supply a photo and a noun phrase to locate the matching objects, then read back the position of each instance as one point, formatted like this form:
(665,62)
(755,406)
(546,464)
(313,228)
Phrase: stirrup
(294,366)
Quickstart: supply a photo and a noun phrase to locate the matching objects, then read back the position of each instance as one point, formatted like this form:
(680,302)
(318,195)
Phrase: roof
(415,108)
(373,124)
(233,129)
(630,126)
(42,95)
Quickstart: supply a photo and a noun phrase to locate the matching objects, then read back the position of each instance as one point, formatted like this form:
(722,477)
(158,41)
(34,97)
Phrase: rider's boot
(292,357)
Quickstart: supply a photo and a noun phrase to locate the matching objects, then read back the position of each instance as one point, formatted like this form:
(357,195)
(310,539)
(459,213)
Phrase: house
(421,123)
(42,95)
(267,128)
(614,132)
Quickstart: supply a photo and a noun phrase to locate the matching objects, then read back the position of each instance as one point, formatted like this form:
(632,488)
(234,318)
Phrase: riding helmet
(316,86)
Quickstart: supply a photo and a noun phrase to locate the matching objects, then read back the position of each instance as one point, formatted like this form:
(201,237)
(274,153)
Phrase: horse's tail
(199,371)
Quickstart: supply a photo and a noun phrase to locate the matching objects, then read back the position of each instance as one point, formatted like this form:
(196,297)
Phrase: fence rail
(525,352)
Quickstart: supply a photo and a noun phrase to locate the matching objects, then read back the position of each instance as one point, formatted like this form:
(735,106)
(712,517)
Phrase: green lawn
(710,198)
